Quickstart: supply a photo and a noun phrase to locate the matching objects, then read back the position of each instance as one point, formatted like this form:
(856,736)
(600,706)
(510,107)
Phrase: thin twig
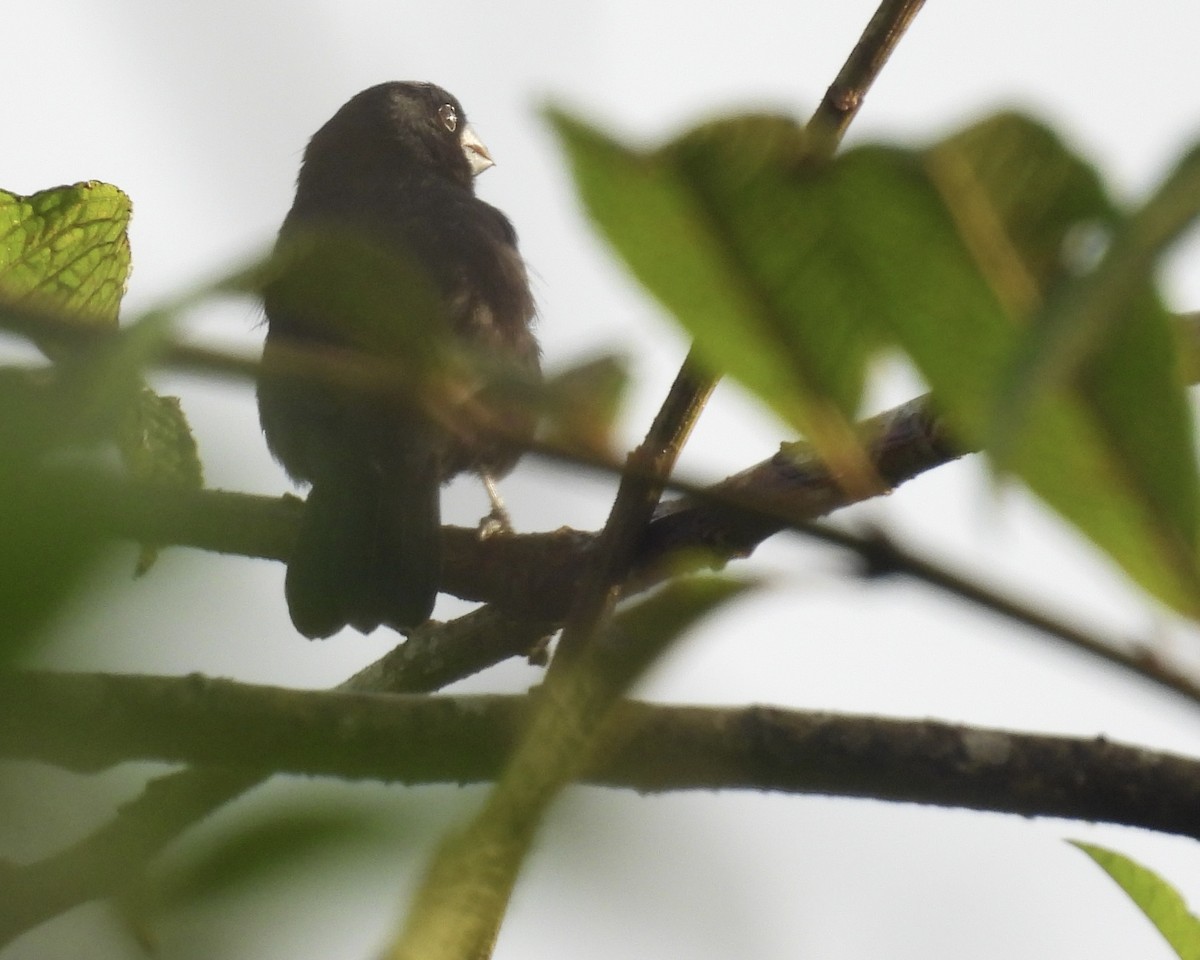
(640,490)
(846,94)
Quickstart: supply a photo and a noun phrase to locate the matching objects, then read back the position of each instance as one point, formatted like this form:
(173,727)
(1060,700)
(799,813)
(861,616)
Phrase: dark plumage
(392,171)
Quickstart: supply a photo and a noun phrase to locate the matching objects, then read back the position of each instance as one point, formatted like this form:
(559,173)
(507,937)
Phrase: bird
(388,185)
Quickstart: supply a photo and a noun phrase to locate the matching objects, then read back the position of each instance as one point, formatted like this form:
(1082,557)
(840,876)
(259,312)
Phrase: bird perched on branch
(388,264)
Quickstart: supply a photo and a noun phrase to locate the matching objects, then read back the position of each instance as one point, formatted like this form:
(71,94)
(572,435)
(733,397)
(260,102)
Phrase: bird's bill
(477,154)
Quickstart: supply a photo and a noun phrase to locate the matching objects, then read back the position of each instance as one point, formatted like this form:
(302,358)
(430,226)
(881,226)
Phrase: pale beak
(477,154)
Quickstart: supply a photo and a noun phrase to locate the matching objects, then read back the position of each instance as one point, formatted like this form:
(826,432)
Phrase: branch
(641,488)
(106,860)
(421,739)
(904,442)
(462,901)
(846,94)
(532,577)
(526,574)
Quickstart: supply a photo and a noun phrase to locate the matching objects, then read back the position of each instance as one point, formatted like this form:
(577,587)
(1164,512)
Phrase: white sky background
(200,112)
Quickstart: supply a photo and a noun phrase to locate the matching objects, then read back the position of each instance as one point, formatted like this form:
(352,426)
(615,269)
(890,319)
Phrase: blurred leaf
(1030,211)
(384,302)
(157,445)
(1137,398)
(1081,319)
(44,552)
(1186,330)
(458,909)
(642,631)
(724,227)
(1111,450)
(256,852)
(1156,898)
(1107,335)
(914,279)
(786,272)
(389,331)
(581,404)
(65,251)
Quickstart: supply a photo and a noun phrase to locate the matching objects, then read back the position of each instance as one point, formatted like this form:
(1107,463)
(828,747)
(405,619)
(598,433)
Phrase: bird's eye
(449,116)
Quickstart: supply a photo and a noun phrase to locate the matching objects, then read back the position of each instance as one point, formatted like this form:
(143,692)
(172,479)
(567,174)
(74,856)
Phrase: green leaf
(1029,210)
(64,255)
(384,301)
(157,445)
(580,404)
(1156,898)
(1081,320)
(917,282)
(1107,336)
(640,633)
(257,850)
(66,251)
(63,252)
(44,553)
(787,272)
(466,890)
(721,227)
(1096,424)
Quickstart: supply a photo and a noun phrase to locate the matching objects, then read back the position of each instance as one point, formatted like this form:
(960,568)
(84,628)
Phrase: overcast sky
(200,112)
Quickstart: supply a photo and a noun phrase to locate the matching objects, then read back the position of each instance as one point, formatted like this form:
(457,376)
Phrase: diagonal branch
(642,484)
(845,95)
(460,905)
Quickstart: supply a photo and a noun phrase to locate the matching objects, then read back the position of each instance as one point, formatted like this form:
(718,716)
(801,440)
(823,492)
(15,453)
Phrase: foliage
(64,262)
(66,249)
(1156,898)
(994,259)
(791,272)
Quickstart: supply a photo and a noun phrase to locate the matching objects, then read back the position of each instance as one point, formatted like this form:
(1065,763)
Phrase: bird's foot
(496,523)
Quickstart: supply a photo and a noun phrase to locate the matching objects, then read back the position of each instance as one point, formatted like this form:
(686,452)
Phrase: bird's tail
(369,551)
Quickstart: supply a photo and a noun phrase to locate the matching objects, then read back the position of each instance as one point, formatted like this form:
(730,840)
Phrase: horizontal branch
(421,739)
(528,575)
(534,576)
(103,862)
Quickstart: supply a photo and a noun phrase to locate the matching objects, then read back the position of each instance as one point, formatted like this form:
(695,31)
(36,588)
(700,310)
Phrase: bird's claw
(496,523)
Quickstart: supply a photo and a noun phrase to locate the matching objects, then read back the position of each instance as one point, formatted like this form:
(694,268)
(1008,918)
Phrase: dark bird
(390,175)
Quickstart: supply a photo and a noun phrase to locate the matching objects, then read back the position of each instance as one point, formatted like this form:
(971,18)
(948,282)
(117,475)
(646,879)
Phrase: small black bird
(393,169)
